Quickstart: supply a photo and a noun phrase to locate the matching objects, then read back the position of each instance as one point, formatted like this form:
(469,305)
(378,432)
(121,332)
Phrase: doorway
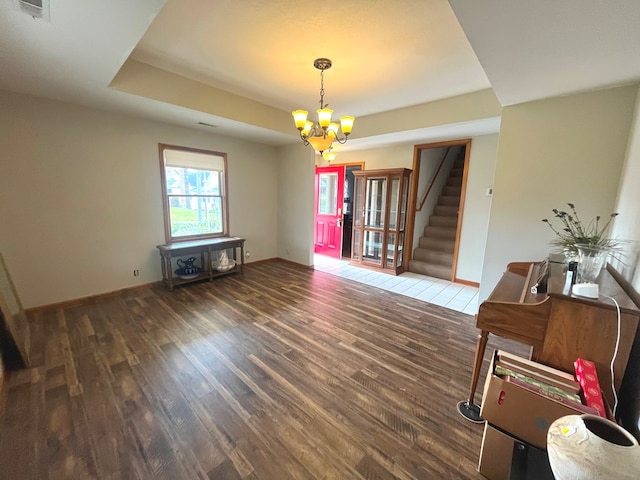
(437,206)
(349,184)
(333,216)
(328,208)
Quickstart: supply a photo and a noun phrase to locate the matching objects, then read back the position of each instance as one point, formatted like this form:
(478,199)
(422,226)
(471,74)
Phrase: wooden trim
(348,164)
(280,259)
(90,298)
(463,192)
(411,213)
(466,282)
(624,284)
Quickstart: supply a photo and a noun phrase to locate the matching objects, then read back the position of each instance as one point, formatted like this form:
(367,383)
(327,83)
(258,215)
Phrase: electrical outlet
(247,254)
(136,273)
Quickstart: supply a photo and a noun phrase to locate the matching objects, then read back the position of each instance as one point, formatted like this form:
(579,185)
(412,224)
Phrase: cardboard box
(503,457)
(523,413)
(495,454)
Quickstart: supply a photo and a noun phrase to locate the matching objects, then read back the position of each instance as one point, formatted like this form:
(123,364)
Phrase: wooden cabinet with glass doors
(379,218)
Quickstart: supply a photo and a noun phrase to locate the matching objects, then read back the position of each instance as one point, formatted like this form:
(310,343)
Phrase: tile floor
(455,296)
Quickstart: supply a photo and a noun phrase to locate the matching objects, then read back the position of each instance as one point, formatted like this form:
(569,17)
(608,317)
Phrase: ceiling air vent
(35,8)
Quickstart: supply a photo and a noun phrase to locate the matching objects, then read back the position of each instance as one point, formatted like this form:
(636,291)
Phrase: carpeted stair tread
(440,232)
(450,200)
(446,210)
(435,243)
(443,221)
(452,191)
(433,256)
(424,268)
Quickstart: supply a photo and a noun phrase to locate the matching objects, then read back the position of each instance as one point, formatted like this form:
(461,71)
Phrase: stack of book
(564,389)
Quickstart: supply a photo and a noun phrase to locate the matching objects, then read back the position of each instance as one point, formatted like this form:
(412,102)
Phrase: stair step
(446,211)
(433,256)
(443,221)
(440,232)
(424,268)
(454,181)
(450,200)
(453,191)
(456,172)
(436,243)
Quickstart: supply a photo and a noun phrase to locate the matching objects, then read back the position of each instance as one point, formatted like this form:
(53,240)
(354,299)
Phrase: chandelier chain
(322,105)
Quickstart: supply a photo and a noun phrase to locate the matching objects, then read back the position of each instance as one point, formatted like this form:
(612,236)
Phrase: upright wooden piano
(558,326)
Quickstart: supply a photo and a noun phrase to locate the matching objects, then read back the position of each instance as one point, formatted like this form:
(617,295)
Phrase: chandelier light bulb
(300,118)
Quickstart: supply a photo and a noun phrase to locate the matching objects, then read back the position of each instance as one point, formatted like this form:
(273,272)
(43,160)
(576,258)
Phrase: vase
(570,254)
(591,259)
(586,447)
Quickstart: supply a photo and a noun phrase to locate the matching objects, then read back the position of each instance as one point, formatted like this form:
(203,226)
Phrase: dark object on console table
(560,327)
(204,248)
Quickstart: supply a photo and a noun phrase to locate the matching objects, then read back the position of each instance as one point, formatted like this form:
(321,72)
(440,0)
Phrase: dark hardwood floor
(280,373)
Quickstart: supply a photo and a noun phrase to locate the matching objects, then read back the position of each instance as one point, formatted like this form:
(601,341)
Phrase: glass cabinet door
(403,202)
(393,203)
(376,202)
(380,210)
(372,246)
(358,207)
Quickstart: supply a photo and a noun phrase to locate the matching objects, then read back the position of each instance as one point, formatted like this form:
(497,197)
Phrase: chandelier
(322,134)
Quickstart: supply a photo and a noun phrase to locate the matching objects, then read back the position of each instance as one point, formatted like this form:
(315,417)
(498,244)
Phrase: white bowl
(223,268)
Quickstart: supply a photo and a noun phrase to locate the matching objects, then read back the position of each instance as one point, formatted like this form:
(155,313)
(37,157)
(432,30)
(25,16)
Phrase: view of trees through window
(195,203)
(194,189)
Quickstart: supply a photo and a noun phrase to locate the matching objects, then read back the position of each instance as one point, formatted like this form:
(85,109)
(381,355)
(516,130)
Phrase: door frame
(345,165)
(413,196)
(333,223)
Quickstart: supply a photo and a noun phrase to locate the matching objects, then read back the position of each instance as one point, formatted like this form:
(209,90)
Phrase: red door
(328,210)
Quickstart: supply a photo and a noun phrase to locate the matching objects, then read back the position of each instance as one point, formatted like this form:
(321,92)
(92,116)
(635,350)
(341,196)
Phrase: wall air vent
(35,8)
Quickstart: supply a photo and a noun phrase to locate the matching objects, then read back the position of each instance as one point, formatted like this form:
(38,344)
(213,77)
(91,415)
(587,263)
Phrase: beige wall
(477,206)
(80,206)
(398,156)
(554,151)
(296,172)
(627,224)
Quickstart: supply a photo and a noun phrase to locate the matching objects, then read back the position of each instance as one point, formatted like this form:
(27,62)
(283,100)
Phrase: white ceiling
(386,54)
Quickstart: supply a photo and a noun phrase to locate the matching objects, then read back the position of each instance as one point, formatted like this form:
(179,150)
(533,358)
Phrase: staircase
(434,255)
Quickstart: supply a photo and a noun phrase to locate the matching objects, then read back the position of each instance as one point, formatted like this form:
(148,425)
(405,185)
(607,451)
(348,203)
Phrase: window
(194,193)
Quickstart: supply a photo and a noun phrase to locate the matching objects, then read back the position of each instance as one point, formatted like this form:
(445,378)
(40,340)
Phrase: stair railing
(433,179)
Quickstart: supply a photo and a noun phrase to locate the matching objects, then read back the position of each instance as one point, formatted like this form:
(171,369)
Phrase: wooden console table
(204,248)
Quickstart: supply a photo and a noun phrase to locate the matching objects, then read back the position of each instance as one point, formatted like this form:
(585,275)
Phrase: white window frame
(194,158)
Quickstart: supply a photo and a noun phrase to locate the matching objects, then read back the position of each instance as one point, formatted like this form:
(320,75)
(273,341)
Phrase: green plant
(574,231)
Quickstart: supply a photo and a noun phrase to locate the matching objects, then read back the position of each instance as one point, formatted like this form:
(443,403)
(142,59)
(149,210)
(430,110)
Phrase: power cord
(613,359)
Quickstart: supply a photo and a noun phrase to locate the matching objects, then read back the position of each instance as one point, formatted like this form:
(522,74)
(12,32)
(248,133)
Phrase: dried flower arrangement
(574,231)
